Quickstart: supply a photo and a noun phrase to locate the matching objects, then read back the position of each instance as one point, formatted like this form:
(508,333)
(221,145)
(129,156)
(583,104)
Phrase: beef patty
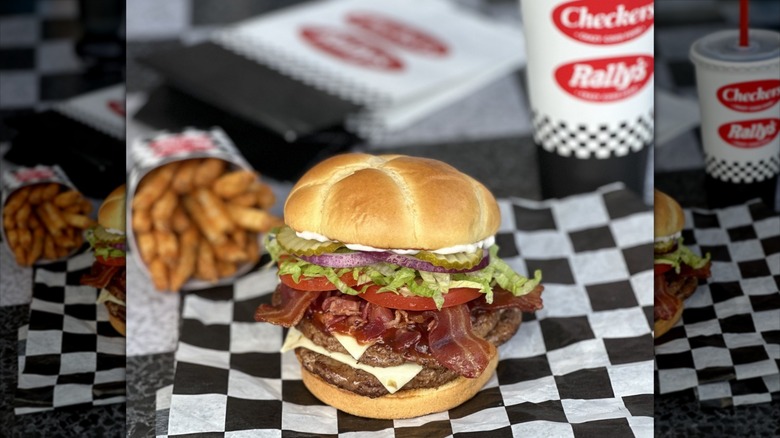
(496,326)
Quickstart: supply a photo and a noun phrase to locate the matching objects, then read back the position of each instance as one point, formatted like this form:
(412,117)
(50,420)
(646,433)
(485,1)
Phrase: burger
(391,285)
(107,240)
(677,269)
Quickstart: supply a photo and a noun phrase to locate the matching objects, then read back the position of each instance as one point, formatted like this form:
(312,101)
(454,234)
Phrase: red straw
(743,23)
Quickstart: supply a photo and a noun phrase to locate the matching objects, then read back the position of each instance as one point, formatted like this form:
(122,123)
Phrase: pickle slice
(303,247)
(460,260)
(104,236)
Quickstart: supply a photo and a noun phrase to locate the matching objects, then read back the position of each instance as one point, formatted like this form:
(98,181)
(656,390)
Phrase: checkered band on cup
(742,172)
(584,141)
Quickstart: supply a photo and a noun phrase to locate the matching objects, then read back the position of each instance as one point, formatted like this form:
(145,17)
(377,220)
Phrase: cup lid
(722,48)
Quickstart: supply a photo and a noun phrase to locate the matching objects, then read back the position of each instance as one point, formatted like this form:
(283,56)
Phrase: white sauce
(115,231)
(664,239)
(471,247)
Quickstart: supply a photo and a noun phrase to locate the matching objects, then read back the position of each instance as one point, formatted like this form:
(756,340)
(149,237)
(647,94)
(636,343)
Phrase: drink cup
(739,96)
(590,85)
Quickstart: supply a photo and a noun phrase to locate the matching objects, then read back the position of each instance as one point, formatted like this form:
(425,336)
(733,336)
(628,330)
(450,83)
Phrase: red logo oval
(604,22)
(398,33)
(605,80)
(351,48)
(750,96)
(34,174)
(748,134)
(176,144)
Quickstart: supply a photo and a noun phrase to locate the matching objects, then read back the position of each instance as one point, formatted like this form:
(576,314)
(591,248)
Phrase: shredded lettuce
(682,255)
(398,279)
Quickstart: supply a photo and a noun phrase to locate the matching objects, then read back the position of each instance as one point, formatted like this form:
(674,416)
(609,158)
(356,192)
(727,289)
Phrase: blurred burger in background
(107,240)
(677,269)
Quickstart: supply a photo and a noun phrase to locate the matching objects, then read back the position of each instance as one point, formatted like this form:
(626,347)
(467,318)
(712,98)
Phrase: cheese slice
(392,378)
(353,347)
(105,295)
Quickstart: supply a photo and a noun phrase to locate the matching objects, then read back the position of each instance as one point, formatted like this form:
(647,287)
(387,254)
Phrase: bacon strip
(454,344)
(289,306)
(100,275)
(503,299)
(666,305)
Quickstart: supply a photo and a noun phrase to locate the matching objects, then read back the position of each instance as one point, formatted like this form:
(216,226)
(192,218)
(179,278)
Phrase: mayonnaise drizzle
(664,239)
(470,247)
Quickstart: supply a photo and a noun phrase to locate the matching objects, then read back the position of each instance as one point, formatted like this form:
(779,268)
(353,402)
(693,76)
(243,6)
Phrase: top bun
(111,213)
(669,217)
(392,201)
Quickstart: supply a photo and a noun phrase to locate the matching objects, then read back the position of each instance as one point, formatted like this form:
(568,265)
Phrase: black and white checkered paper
(581,366)
(69,353)
(726,347)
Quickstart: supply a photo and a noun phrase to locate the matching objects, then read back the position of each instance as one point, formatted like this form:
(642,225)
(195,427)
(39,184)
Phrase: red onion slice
(341,260)
(421,265)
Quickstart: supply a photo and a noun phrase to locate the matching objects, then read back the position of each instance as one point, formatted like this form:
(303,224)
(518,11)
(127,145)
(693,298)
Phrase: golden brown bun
(662,326)
(404,403)
(118,324)
(669,217)
(112,211)
(392,201)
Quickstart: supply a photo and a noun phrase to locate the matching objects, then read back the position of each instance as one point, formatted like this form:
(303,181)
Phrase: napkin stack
(580,366)
(726,348)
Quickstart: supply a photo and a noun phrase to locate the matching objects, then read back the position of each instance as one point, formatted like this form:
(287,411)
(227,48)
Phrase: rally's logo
(604,22)
(605,80)
(399,34)
(181,143)
(750,96)
(38,173)
(748,134)
(351,48)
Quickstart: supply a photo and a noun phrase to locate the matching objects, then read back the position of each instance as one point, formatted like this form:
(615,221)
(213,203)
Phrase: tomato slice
(395,301)
(111,261)
(316,283)
(660,268)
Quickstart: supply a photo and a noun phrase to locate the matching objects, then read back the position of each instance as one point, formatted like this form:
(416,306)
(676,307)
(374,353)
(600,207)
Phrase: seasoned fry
(252,248)
(13,237)
(61,251)
(49,252)
(167,246)
(230,252)
(180,222)
(86,206)
(208,171)
(265,197)
(25,237)
(34,222)
(16,200)
(159,273)
(51,218)
(50,191)
(248,199)
(67,199)
(142,221)
(77,220)
(8,221)
(185,265)
(214,209)
(163,208)
(206,268)
(239,237)
(182,182)
(21,255)
(197,214)
(252,219)
(23,214)
(226,269)
(36,250)
(36,194)
(147,246)
(233,183)
(154,185)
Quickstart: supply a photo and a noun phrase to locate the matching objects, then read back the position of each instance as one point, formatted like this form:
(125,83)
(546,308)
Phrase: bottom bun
(404,403)
(117,324)
(662,326)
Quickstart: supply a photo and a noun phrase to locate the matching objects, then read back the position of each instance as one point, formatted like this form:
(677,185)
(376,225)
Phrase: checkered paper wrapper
(582,365)
(726,348)
(69,354)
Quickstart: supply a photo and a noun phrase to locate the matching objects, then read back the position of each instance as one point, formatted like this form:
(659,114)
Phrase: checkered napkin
(727,347)
(69,353)
(581,366)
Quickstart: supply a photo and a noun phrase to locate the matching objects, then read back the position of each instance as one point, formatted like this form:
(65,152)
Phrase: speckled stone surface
(152,317)
(99,422)
(145,375)
(678,415)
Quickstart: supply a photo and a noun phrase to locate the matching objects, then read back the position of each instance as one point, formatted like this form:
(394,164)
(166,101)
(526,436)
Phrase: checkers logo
(398,33)
(750,96)
(351,48)
(749,134)
(604,22)
(184,143)
(26,175)
(605,80)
